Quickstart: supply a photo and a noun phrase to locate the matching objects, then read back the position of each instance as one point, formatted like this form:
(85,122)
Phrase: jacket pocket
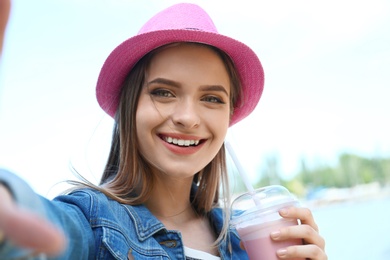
(115,245)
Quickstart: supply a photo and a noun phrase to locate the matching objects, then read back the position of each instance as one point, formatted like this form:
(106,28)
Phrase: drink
(255,216)
(257,238)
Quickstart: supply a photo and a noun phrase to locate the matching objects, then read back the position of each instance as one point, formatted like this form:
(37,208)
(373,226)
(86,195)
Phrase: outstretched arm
(26,229)
(31,224)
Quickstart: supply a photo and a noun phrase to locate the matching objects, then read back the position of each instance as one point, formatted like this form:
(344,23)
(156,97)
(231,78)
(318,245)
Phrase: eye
(213,99)
(161,93)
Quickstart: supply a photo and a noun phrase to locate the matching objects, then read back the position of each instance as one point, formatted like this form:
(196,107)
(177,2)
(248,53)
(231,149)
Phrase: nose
(186,114)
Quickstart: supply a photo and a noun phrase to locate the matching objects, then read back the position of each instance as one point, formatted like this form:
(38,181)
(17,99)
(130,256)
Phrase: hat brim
(123,58)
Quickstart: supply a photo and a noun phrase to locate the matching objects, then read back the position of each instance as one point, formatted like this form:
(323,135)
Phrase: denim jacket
(98,227)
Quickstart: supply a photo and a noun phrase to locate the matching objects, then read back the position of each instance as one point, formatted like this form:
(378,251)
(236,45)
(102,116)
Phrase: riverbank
(363,192)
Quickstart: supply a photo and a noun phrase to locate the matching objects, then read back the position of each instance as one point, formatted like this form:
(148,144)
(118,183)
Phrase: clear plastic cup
(256,215)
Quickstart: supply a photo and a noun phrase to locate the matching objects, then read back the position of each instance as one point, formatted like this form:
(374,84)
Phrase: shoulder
(81,194)
(88,197)
(91,202)
(82,197)
(101,210)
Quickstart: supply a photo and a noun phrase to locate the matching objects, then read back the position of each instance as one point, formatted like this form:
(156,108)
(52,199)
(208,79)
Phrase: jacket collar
(146,224)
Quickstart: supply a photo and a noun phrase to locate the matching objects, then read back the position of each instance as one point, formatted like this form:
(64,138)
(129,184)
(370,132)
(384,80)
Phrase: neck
(170,201)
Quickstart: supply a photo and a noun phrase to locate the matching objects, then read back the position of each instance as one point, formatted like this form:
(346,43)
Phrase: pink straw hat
(180,23)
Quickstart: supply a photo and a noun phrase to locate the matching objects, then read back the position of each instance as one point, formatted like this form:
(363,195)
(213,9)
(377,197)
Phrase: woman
(173,89)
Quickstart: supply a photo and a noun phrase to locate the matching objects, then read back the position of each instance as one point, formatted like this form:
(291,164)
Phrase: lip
(181,150)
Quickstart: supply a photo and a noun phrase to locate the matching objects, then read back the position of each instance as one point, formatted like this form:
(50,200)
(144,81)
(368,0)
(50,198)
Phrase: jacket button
(130,255)
(169,243)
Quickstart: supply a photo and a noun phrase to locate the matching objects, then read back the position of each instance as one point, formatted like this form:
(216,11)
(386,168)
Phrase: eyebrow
(214,88)
(177,85)
(164,81)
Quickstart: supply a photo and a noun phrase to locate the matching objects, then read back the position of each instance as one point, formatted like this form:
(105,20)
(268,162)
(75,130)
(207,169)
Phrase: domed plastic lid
(266,200)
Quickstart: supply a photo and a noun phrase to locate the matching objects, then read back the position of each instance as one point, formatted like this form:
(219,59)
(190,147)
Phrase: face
(183,111)
(4,13)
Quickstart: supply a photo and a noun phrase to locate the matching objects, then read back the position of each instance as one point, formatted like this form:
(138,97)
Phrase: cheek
(147,119)
(143,131)
(146,111)
(144,122)
(218,120)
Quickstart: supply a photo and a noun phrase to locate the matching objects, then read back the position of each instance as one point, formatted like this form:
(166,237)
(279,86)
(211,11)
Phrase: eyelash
(163,93)
(214,99)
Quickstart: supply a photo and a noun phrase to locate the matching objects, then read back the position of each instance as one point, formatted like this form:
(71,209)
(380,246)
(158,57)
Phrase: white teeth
(181,142)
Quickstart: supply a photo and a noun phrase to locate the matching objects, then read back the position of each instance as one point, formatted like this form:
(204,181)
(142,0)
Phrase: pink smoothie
(257,241)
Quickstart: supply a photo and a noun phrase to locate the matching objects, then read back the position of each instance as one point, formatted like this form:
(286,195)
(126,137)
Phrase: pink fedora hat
(180,23)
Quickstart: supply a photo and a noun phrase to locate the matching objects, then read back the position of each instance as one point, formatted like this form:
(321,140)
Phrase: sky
(327,82)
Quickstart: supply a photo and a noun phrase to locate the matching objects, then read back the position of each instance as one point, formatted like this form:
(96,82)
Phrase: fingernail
(283,212)
(282,252)
(275,234)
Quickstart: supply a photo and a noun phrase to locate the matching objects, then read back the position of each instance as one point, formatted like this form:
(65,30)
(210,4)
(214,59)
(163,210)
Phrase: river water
(356,230)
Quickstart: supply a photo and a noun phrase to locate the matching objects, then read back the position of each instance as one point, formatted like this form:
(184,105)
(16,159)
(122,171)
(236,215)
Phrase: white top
(196,254)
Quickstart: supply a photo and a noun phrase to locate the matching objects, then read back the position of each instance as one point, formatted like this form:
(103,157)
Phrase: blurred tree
(271,172)
(350,170)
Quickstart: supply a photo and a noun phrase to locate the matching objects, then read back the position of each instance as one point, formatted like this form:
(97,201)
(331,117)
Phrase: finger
(28,230)
(312,252)
(303,214)
(305,232)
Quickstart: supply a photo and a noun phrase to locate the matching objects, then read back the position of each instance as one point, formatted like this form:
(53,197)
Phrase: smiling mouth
(180,142)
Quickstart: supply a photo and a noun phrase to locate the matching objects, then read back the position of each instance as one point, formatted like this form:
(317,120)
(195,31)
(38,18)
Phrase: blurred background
(321,128)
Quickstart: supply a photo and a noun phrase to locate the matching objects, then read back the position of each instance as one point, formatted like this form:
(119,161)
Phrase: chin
(179,172)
